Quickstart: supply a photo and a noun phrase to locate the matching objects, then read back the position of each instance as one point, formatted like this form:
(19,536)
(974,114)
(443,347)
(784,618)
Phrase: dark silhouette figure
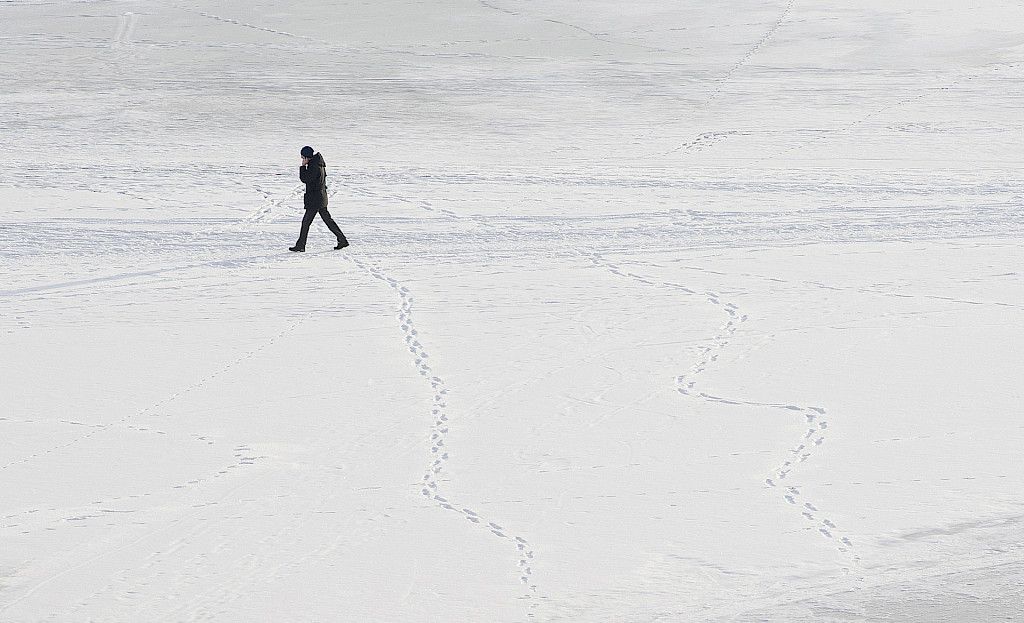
(313,173)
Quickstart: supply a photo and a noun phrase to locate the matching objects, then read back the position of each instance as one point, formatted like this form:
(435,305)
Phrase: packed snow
(654,311)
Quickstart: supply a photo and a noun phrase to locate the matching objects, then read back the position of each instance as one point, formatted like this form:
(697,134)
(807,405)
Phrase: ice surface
(654,311)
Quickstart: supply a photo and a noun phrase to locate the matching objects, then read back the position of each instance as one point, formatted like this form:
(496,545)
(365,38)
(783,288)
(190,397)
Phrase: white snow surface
(654,311)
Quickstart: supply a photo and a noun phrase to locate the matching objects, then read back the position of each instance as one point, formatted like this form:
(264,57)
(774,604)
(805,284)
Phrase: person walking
(313,174)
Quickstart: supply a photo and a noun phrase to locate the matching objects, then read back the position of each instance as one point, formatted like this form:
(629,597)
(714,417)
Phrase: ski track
(430,487)
(815,417)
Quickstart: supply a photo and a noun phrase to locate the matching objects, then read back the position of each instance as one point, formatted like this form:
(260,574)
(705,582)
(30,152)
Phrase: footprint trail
(431,486)
(815,417)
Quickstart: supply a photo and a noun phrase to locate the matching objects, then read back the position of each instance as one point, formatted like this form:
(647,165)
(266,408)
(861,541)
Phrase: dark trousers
(307,220)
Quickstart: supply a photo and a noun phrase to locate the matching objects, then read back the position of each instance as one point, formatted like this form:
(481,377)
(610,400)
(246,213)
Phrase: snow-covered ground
(654,311)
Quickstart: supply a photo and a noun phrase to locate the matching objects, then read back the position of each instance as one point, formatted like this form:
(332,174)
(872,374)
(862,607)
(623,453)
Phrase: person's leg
(331,225)
(307,220)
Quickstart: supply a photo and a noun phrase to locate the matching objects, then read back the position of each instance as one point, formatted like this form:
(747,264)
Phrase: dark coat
(314,175)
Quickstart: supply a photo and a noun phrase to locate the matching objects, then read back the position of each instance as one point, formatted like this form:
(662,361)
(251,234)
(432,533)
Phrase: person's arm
(312,174)
(304,173)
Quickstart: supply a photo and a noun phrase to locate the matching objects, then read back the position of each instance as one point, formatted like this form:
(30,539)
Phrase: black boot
(297,249)
(342,243)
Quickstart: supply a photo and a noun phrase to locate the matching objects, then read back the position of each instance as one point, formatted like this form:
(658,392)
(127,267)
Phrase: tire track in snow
(815,417)
(439,429)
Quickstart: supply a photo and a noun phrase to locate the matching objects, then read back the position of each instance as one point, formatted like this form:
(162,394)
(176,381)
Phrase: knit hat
(306,152)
